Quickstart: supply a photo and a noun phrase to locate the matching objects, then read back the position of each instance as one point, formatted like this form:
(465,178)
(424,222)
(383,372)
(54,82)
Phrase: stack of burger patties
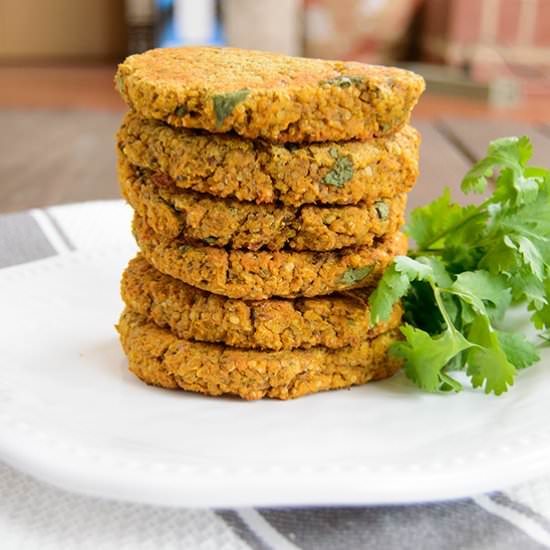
(269,192)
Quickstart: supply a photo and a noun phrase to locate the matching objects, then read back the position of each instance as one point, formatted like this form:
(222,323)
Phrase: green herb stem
(439,301)
(456,227)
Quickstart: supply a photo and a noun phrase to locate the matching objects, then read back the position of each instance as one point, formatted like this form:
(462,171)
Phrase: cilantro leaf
(487,363)
(512,153)
(538,297)
(518,189)
(531,220)
(485,292)
(531,255)
(428,223)
(394,285)
(426,356)
(499,256)
(518,350)
(527,288)
(413,269)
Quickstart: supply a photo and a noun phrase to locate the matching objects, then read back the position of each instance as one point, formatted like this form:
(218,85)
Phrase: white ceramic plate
(71,414)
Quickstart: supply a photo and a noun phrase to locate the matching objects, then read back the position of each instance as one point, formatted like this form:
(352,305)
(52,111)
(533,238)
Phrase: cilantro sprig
(470,265)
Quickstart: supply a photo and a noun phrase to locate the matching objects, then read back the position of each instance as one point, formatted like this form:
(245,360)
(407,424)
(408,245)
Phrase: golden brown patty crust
(197,218)
(261,275)
(265,95)
(160,358)
(229,166)
(192,314)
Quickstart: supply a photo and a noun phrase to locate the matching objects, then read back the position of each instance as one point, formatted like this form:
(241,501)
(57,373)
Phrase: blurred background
(486,63)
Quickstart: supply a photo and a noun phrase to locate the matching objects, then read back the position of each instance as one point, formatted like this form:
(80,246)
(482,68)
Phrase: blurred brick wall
(493,38)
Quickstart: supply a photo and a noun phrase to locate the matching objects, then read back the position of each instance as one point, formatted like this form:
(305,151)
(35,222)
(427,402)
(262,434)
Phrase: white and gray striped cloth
(34,515)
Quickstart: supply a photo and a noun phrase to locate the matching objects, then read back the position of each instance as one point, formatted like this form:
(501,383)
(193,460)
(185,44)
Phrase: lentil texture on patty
(229,166)
(332,321)
(260,275)
(265,95)
(199,218)
(160,358)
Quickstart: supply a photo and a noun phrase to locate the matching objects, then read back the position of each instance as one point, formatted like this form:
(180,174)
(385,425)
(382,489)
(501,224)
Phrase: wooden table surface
(52,157)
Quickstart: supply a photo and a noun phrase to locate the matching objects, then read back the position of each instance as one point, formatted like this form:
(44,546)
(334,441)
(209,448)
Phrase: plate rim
(98,475)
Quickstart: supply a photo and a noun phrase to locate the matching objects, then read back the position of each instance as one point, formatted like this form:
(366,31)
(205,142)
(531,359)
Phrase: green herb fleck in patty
(225,103)
(341,171)
(355,275)
(343,81)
